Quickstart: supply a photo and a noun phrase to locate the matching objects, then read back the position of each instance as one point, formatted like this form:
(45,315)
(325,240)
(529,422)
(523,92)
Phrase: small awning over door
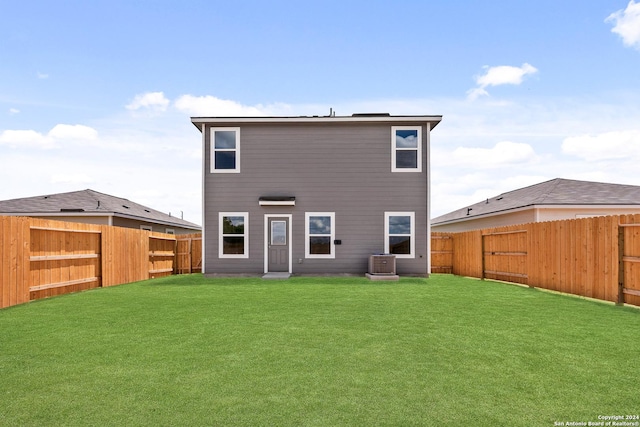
(277,201)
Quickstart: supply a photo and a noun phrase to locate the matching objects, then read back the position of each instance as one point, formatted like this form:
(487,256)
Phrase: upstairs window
(399,234)
(225,150)
(406,149)
(320,235)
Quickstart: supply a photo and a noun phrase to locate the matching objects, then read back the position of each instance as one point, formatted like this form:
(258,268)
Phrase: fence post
(482,255)
(620,265)
(174,266)
(189,258)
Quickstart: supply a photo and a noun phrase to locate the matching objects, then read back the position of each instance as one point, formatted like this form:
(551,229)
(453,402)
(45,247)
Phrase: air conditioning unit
(382,264)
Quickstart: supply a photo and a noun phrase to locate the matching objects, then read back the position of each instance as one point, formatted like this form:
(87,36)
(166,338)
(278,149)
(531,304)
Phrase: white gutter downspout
(204,174)
(428,254)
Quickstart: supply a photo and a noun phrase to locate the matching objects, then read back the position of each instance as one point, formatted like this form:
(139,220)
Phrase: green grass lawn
(190,351)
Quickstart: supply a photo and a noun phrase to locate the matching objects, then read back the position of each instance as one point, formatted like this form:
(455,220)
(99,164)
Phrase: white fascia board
(626,207)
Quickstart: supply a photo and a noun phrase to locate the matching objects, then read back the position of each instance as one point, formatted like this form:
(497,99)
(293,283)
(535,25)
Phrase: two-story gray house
(315,195)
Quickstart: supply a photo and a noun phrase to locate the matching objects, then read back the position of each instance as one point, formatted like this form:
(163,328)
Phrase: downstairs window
(320,235)
(233,235)
(399,234)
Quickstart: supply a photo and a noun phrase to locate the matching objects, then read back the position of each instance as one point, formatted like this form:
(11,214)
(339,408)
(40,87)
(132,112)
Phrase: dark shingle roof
(555,192)
(89,201)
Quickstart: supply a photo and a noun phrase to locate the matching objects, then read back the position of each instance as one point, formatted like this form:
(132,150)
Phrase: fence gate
(189,253)
(504,256)
(441,253)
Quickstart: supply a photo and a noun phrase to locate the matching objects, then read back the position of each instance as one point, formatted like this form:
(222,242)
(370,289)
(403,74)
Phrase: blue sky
(98,94)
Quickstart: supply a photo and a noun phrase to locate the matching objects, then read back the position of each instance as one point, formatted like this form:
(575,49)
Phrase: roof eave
(199,121)
(103,214)
(538,206)
(484,215)
(156,221)
(57,213)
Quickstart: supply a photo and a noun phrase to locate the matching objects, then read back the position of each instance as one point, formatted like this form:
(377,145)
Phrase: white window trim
(307,235)
(146,228)
(221,236)
(412,215)
(212,143)
(394,149)
(170,231)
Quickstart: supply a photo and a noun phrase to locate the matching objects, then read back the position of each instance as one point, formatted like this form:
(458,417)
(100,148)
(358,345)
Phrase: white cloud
(64,132)
(212,106)
(59,133)
(25,138)
(476,93)
(604,146)
(503,153)
(626,23)
(500,75)
(13,111)
(505,74)
(71,178)
(154,101)
(42,76)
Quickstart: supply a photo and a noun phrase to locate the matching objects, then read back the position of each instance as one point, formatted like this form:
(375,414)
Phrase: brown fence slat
(501,233)
(631,292)
(65,230)
(62,257)
(63,284)
(504,273)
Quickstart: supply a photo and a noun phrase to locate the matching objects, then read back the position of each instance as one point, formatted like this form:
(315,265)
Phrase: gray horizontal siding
(338,168)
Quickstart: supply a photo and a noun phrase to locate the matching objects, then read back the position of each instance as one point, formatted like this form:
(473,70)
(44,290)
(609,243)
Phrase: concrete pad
(276,276)
(394,277)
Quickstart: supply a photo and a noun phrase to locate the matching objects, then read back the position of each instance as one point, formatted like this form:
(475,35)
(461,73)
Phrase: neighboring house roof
(559,192)
(89,203)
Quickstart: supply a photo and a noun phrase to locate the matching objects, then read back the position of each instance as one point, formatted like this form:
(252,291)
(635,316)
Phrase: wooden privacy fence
(41,258)
(594,257)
